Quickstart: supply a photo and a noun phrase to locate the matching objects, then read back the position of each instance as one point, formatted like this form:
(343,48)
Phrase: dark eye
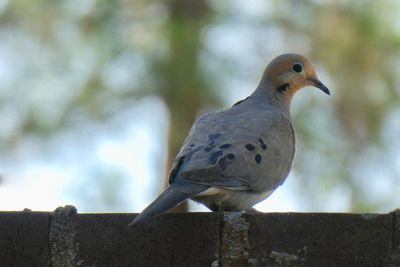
(297,67)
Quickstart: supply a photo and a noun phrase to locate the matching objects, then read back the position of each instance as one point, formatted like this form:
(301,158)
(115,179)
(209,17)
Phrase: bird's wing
(250,150)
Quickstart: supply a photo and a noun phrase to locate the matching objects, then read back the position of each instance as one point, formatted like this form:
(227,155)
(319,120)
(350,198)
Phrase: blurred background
(96,97)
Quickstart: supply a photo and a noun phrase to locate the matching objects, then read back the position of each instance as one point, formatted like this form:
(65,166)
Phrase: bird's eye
(297,68)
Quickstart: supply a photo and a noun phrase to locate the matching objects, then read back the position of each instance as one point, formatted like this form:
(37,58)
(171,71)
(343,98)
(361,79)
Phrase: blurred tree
(179,77)
(358,44)
(68,64)
(176,75)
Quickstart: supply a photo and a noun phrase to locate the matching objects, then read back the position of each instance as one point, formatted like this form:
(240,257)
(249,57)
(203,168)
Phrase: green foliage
(72,63)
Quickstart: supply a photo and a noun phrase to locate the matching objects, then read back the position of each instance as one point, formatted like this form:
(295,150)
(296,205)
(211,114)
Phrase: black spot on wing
(262,144)
(231,156)
(257,158)
(224,146)
(214,156)
(249,147)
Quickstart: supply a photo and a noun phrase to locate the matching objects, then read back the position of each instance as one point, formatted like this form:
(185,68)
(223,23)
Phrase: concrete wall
(65,238)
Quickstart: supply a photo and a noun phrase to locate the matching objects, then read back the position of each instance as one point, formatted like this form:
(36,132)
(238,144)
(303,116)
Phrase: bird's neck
(277,96)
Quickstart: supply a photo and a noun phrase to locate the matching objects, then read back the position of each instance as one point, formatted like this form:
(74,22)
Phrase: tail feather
(166,201)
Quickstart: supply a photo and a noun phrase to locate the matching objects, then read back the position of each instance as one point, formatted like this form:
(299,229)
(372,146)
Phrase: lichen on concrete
(62,237)
(234,245)
(283,259)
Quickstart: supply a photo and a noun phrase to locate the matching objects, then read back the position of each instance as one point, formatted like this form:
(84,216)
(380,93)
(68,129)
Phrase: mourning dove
(234,158)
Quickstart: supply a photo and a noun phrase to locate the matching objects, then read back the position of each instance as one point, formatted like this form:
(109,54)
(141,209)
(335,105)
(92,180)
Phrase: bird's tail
(166,201)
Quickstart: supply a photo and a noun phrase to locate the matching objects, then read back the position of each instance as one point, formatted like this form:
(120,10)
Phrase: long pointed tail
(166,201)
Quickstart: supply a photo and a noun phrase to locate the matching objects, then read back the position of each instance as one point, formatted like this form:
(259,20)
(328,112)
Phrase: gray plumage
(235,158)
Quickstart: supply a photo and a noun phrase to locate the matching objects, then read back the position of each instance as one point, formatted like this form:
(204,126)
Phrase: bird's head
(288,73)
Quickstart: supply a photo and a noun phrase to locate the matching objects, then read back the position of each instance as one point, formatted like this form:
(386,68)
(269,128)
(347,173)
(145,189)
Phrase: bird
(235,158)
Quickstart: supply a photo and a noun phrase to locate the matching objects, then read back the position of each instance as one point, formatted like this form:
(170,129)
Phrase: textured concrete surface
(62,237)
(181,239)
(66,238)
(320,239)
(24,239)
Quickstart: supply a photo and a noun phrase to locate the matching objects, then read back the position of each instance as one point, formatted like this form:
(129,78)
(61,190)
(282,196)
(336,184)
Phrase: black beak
(317,83)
